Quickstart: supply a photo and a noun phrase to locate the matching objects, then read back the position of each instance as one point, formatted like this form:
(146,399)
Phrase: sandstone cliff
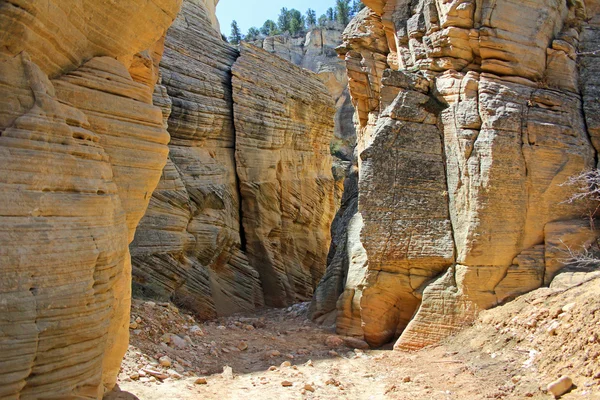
(188,246)
(266,159)
(283,121)
(470,116)
(316,52)
(82,148)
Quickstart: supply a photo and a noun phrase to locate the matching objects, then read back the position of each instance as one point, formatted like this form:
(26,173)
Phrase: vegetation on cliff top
(294,23)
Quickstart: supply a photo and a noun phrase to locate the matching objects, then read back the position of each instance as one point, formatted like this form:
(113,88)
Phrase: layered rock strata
(316,52)
(82,150)
(283,121)
(470,119)
(188,247)
(193,246)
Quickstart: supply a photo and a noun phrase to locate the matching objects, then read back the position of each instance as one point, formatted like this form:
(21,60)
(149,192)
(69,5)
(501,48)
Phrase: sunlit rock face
(470,117)
(188,248)
(82,150)
(284,124)
(246,198)
(316,52)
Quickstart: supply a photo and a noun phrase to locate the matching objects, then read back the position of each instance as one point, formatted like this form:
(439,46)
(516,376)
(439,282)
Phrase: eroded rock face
(283,121)
(470,119)
(193,246)
(316,52)
(188,247)
(82,150)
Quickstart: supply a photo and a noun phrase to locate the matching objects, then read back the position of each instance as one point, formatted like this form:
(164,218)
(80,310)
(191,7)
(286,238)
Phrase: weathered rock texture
(316,52)
(470,117)
(188,247)
(82,148)
(192,246)
(283,121)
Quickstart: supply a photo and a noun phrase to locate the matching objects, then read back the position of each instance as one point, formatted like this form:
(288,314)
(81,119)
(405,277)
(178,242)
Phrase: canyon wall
(82,148)
(316,52)
(241,214)
(470,117)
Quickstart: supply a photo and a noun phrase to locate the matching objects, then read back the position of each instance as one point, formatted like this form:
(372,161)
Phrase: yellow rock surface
(82,149)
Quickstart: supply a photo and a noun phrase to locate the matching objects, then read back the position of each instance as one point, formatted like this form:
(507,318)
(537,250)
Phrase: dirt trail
(512,352)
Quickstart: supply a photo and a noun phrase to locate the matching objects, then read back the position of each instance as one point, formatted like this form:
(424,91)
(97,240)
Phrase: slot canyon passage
(383,209)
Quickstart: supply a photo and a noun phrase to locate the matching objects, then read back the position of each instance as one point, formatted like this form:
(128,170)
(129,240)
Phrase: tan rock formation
(283,120)
(464,143)
(191,246)
(82,150)
(316,52)
(188,247)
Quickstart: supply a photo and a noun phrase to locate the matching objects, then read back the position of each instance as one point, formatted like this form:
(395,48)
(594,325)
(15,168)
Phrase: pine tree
(236,34)
(331,14)
(323,20)
(283,22)
(343,11)
(269,28)
(253,34)
(311,17)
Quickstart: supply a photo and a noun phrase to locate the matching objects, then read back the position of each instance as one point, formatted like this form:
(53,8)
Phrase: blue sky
(254,13)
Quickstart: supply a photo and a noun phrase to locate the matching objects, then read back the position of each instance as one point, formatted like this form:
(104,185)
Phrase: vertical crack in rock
(190,245)
(195,244)
(284,124)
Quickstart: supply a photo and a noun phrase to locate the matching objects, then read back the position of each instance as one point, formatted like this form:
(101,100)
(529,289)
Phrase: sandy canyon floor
(512,352)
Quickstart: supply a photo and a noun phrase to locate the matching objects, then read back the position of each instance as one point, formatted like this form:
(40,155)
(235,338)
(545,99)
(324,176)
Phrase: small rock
(150,304)
(221,327)
(242,346)
(134,376)
(272,368)
(552,328)
(516,379)
(309,363)
(249,327)
(165,361)
(174,374)
(227,372)
(196,330)
(355,343)
(156,374)
(178,342)
(309,388)
(272,353)
(188,339)
(138,320)
(133,325)
(569,307)
(286,364)
(406,379)
(201,381)
(137,332)
(333,353)
(334,341)
(560,386)
(286,384)
(166,338)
